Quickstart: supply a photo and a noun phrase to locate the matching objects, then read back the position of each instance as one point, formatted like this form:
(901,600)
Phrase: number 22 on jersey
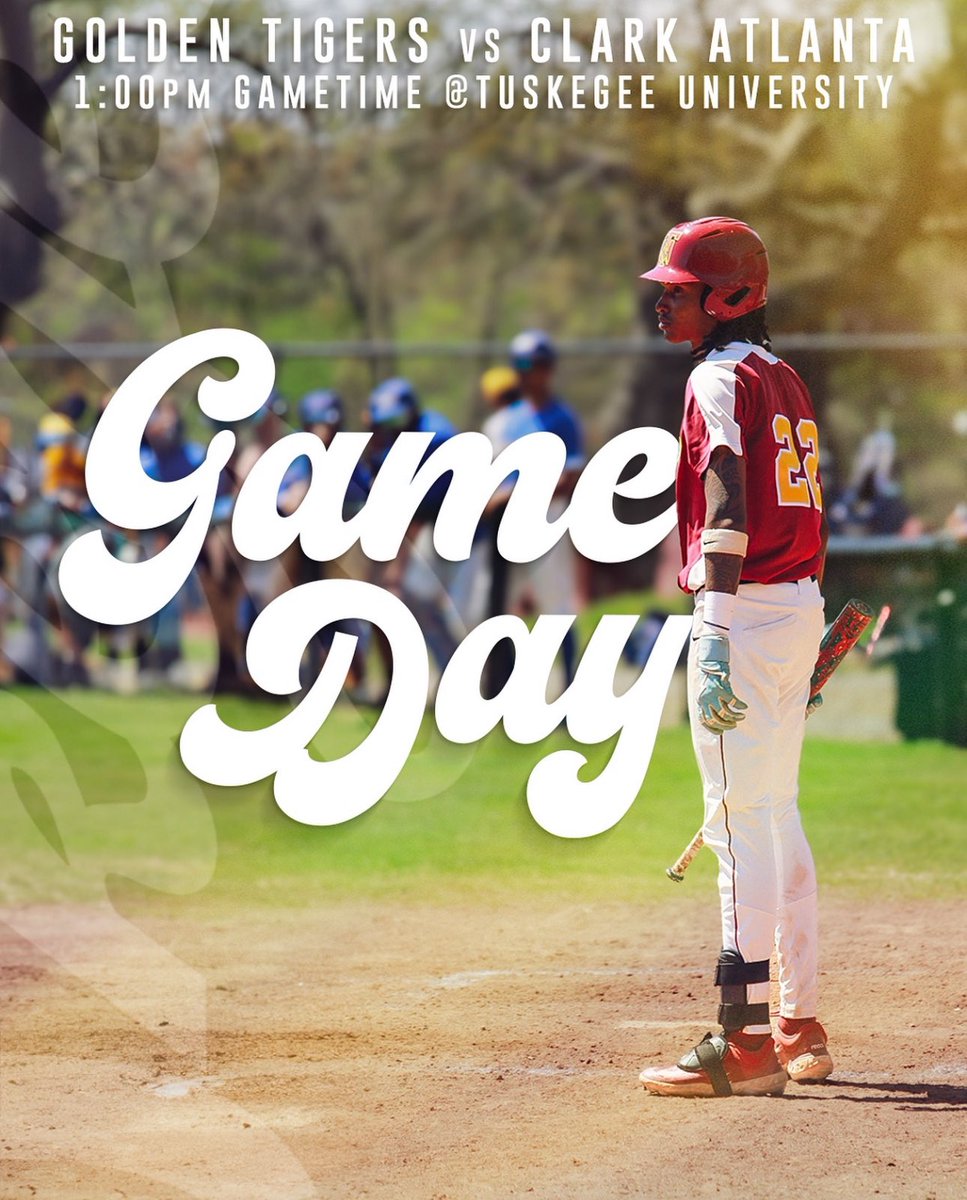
(797,463)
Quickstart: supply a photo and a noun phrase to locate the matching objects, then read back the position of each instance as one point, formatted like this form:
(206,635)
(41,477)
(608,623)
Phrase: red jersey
(745,398)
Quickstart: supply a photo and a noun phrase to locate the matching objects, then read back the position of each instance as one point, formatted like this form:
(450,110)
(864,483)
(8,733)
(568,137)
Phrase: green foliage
(465,226)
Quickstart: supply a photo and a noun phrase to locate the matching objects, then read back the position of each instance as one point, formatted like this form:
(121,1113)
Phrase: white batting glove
(719,709)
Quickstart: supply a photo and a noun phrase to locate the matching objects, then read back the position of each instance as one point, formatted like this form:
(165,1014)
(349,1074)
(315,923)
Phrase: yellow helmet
(497,382)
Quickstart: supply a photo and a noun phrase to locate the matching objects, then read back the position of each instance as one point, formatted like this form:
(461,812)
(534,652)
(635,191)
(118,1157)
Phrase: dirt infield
(486,1050)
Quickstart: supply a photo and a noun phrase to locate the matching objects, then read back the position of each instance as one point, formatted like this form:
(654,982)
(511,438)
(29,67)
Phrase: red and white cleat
(733,1064)
(801,1049)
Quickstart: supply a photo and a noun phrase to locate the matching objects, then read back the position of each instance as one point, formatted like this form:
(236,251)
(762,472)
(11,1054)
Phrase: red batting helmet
(726,255)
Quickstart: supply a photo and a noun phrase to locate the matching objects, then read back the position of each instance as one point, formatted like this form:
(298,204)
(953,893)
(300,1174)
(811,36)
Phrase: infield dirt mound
(373,1049)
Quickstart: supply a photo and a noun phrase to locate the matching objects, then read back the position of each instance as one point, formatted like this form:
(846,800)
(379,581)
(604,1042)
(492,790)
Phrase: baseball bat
(878,628)
(838,640)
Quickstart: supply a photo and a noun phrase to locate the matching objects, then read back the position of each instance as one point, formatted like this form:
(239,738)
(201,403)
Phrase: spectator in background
(956,522)
(873,503)
(63,508)
(554,584)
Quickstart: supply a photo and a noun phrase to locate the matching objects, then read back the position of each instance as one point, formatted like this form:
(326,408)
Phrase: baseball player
(322,413)
(511,417)
(551,584)
(752,533)
(418,574)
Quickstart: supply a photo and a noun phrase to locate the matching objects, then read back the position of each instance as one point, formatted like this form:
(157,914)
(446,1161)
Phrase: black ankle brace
(733,975)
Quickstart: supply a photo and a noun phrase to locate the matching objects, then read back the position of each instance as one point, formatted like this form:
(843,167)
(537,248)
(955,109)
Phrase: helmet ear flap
(737,296)
(726,306)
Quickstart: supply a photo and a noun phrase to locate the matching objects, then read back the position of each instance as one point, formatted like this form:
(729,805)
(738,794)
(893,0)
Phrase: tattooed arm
(724,509)
(724,540)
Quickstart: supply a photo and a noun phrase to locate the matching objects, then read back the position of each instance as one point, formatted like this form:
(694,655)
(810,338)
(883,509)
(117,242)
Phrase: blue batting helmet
(321,407)
(394,402)
(532,348)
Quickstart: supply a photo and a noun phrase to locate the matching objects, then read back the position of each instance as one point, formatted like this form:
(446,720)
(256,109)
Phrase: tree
(29,209)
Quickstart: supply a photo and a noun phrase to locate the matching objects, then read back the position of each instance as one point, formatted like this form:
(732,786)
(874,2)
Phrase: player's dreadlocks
(750,327)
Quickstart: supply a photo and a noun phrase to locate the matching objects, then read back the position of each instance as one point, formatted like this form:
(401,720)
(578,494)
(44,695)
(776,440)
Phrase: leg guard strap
(710,1052)
(733,975)
(737,1016)
(732,970)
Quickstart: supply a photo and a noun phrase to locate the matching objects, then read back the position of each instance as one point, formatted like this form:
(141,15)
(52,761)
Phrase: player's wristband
(717,612)
(725,541)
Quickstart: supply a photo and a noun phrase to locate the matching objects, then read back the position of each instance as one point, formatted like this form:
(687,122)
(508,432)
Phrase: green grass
(95,790)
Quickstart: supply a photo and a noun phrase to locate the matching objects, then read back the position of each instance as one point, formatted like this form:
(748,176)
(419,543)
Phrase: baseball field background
(438,1000)
(201,998)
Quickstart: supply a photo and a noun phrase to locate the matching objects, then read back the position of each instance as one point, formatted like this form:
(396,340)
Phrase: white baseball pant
(750,777)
